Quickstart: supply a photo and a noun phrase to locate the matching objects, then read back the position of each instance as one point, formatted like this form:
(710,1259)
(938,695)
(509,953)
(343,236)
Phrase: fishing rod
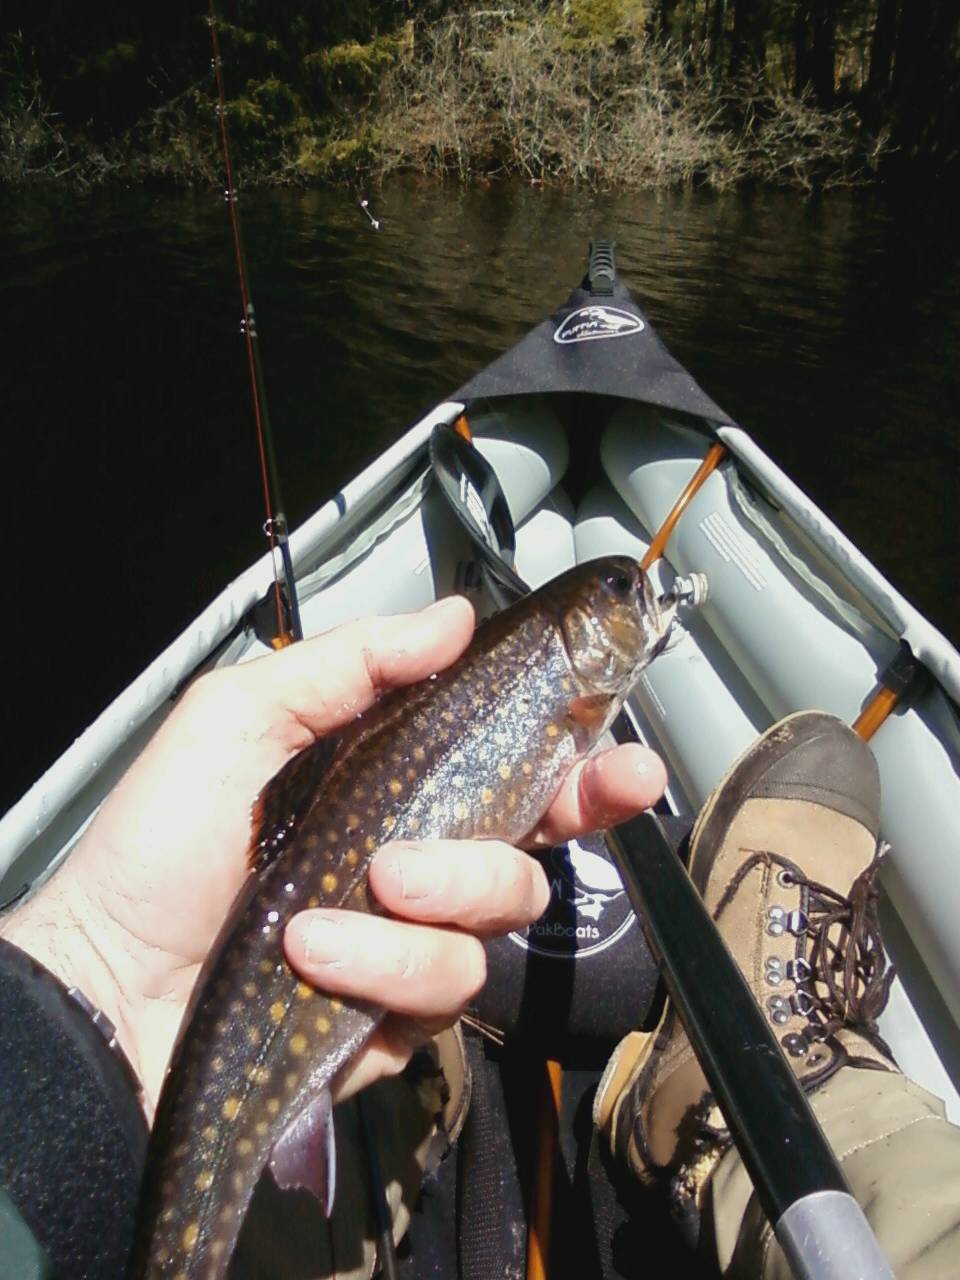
(276,530)
(275,526)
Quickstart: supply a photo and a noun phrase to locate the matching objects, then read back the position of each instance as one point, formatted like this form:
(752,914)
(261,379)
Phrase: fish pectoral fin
(283,803)
(305,1155)
(590,709)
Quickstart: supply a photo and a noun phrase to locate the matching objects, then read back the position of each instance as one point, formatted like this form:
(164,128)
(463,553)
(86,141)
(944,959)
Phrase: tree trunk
(824,51)
(665,15)
(714,25)
(802,56)
(881,48)
(749,45)
(925,84)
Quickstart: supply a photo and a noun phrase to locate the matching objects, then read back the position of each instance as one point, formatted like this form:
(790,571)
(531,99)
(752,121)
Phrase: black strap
(492,1225)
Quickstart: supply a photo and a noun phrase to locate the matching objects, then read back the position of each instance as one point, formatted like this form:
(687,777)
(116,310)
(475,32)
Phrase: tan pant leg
(901,1158)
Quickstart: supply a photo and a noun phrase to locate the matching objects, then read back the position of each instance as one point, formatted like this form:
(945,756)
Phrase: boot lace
(845,979)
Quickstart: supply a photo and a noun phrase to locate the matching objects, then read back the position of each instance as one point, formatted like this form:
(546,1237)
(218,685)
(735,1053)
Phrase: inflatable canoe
(602,443)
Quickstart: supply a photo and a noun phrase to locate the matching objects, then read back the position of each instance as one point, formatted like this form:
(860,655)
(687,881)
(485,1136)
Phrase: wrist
(56,929)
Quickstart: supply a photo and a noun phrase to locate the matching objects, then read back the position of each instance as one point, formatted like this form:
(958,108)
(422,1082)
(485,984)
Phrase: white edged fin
(305,1155)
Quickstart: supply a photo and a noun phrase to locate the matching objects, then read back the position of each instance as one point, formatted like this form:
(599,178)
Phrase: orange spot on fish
(298,1044)
(191,1235)
(322,1024)
(277,1010)
(231,1108)
(304,992)
(504,771)
(253,1035)
(204,1180)
(396,786)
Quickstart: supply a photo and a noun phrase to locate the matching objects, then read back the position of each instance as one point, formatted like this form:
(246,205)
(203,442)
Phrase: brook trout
(477,751)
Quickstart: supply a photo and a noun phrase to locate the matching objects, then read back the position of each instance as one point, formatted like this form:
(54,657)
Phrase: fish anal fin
(283,803)
(305,1155)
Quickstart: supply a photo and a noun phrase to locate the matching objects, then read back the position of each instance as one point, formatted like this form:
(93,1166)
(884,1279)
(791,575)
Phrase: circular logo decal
(588,910)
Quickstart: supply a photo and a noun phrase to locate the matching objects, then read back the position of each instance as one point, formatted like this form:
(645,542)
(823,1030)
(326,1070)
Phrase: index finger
(327,681)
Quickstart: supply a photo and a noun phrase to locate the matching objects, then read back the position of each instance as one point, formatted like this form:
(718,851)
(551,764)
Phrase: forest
(600,93)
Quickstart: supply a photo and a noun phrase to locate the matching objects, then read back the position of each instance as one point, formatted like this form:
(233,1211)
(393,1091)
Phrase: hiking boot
(785,855)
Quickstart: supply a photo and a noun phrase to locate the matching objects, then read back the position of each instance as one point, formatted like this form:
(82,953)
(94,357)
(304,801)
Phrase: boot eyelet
(796,1045)
(785,879)
(801,1002)
(779,1010)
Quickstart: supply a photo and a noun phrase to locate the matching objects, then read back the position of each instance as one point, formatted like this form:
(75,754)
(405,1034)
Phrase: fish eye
(619,582)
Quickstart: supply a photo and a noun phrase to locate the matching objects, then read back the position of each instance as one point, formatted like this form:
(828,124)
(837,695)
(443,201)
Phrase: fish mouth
(662,612)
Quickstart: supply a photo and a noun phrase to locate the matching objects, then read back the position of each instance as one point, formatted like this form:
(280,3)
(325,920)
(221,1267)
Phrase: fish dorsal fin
(283,803)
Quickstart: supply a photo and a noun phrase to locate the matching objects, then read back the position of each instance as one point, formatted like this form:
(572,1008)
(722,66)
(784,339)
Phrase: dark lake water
(829,329)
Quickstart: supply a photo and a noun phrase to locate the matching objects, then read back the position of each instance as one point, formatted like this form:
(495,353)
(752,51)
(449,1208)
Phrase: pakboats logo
(588,909)
(588,324)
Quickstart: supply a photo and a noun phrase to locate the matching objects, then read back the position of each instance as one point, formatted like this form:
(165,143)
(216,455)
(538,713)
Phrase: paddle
(799,1183)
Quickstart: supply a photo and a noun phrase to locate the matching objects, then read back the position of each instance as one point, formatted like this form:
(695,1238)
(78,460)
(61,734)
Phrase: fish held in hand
(477,751)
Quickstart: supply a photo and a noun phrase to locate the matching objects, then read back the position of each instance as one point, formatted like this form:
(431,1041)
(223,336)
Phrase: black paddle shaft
(778,1136)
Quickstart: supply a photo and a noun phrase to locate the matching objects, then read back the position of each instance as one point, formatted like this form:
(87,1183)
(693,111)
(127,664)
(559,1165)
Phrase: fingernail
(444,603)
(322,939)
(418,874)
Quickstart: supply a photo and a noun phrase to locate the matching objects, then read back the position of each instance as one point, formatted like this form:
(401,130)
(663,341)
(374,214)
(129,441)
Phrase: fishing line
(275,525)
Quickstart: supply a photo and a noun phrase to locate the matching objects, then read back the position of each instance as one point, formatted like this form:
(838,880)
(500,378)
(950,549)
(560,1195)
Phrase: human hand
(131,915)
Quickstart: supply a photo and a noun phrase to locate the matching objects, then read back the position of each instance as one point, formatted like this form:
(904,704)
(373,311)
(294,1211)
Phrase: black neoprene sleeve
(72,1134)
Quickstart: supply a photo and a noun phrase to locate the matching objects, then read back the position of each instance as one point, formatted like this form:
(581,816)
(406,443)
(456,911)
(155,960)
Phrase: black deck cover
(600,343)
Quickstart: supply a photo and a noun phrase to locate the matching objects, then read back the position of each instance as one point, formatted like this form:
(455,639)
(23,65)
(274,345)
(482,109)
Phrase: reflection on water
(829,330)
